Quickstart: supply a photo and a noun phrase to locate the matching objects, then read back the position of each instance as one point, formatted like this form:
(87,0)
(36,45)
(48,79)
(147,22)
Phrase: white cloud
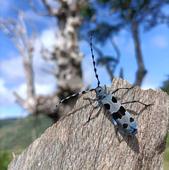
(44,89)
(6,96)
(41,89)
(41,66)
(8,107)
(48,38)
(12,68)
(45,83)
(160,41)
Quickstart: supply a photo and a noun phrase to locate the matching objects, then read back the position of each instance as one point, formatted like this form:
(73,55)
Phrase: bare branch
(118,55)
(52,11)
(33,7)
(141,72)
(17,31)
(116,49)
(121,74)
(19,99)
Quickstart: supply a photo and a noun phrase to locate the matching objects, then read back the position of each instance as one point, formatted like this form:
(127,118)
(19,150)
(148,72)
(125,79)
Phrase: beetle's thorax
(100,92)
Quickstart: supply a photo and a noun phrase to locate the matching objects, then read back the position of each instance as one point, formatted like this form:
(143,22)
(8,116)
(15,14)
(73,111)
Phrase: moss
(5,158)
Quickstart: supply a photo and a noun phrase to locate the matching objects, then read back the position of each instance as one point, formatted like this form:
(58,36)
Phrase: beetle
(120,117)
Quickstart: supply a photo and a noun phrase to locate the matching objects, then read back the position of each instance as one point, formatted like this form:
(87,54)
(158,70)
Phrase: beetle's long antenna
(94,63)
(72,96)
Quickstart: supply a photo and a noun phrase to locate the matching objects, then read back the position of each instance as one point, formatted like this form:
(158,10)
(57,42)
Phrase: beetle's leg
(137,101)
(135,113)
(90,99)
(123,88)
(90,115)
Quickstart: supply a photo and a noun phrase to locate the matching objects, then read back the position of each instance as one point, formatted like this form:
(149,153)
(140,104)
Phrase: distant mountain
(4,122)
(16,134)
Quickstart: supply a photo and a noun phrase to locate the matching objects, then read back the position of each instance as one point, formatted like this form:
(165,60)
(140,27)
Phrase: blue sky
(155,46)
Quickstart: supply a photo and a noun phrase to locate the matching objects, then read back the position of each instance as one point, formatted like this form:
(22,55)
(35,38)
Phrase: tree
(17,31)
(66,56)
(133,15)
(165,85)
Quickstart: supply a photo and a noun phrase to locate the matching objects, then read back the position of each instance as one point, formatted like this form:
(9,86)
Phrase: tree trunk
(69,144)
(29,76)
(66,54)
(141,72)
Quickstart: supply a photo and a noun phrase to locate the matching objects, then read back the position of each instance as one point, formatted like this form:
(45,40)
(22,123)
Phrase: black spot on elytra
(117,115)
(122,110)
(125,125)
(114,100)
(131,119)
(107,106)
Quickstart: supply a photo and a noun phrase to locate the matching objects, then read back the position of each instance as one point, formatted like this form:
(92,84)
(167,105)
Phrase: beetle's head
(100,92)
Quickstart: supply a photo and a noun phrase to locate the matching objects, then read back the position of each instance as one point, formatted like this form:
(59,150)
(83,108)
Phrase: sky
(155,47)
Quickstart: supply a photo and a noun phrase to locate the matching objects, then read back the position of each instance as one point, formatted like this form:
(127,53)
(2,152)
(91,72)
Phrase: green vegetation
(17,134)
(5,158)
(165,87)
(166,155)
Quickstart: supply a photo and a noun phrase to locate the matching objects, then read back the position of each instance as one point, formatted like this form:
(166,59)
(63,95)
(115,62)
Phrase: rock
(69,144)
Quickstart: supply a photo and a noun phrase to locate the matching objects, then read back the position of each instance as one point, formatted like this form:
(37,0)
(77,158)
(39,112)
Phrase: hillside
(4,122)
(16,134)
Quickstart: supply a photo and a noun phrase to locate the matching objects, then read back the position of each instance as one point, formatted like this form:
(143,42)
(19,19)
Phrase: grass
(5,158)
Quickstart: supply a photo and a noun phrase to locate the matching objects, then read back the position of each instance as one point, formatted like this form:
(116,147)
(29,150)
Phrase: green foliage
(104,30)
(147,13)
(18,134)
(5,158)
(166,155)
(165,85)
(87,12)
(6,122)
(106,60)
(103,1)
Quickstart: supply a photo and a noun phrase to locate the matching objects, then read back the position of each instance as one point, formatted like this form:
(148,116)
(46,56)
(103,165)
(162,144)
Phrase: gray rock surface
(68,145)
